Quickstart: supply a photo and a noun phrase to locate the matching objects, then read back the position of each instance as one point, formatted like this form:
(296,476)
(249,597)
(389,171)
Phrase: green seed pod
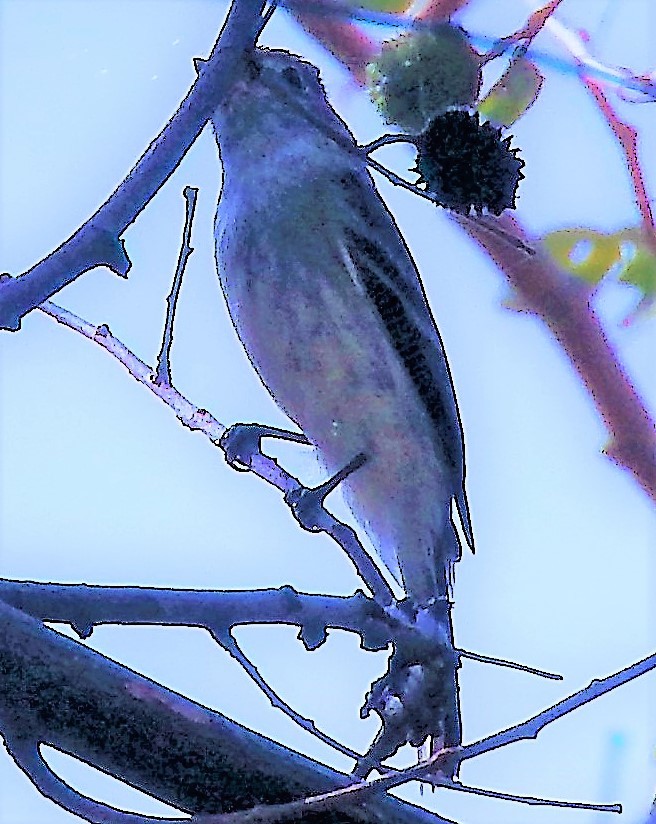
(419,75)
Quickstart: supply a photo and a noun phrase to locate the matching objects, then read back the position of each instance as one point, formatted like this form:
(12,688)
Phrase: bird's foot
(241,442)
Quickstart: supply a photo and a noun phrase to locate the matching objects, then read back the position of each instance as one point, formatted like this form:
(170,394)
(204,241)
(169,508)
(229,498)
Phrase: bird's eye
(292,77)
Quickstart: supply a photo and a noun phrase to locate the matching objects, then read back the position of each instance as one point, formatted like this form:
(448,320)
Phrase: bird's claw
(306,505)
(240,443)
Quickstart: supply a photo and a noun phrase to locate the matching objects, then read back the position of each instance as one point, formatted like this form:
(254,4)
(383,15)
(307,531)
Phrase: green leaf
(585,253)
(641,270)
(514,92)
(390,6)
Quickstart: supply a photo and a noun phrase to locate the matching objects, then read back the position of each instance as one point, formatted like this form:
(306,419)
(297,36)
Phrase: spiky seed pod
(467,164)
(421,74)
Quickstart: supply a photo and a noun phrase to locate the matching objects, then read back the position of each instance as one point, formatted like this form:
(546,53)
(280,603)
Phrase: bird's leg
(242,442)
(242,448)
(306,503)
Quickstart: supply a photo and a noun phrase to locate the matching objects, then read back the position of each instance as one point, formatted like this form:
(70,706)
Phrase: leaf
(390,6)
(585,253)
(641,270)
(513,93)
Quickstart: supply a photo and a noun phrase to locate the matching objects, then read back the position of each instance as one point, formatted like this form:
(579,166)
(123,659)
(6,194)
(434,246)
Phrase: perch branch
(85,607)
(200,419)
(229,643)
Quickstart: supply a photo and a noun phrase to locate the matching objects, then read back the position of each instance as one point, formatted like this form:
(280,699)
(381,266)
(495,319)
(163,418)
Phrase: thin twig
(523,36)
(196,418)
(527,729)
(230,645)
(532,726)
(528,799)
(163,368)
(187,413)
(502,662)
(627,137)
(386,140)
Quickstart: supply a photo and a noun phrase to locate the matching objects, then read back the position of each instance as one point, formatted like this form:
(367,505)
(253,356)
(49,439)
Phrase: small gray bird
(328,304)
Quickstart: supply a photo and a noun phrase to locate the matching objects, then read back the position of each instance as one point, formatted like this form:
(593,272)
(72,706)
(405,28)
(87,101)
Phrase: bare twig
(163,368)
(386,140)
(626,134)
(230,645)
(199,419)
(422,771)
(502,662)
(525,35)
(529,799)
(531,727)
(627,137)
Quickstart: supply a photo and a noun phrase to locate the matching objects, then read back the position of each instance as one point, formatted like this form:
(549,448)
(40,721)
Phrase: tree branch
(56,691)
(563,304)
(85,607)
(97,242)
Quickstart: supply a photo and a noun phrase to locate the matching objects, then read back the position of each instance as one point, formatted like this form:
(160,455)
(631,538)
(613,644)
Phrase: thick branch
(85,607)
(56,691)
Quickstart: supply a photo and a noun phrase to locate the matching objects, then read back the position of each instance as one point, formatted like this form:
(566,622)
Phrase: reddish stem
(526,34)
(344,39)
(627,137)
(441,9)
(562,303)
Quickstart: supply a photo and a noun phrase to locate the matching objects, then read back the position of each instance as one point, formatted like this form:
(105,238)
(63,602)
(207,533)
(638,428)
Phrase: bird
(327,301)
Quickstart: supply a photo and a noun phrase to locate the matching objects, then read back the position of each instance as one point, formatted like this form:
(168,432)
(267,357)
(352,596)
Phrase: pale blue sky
(99,483)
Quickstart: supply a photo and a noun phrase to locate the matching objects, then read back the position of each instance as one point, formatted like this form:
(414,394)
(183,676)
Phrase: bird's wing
(390,277)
